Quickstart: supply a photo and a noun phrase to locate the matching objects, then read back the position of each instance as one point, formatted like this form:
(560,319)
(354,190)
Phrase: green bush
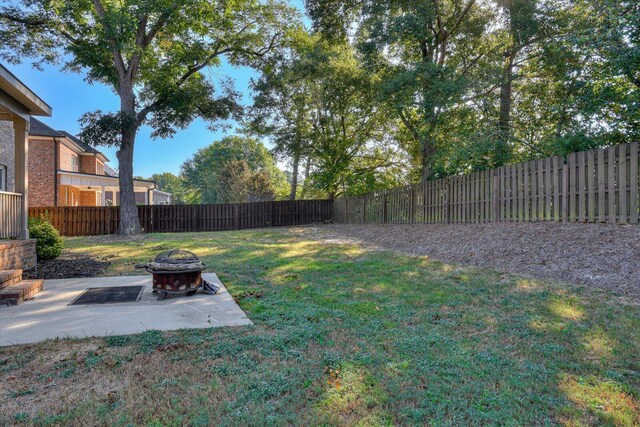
(49,244)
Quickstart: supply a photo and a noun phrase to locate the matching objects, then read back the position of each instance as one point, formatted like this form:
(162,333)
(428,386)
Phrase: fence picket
(611,184)
(598,185)
(85,221)
(633,183)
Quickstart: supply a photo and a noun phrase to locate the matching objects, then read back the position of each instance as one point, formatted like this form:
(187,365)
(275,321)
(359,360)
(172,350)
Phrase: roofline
(22,94)
(68,141)
(45,136)
(163,192)
(72,138)
(104,159)
(102,176)
(65,139)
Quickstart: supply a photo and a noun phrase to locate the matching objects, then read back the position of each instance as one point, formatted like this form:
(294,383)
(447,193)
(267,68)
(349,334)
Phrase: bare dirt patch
(602,256)
(70,265)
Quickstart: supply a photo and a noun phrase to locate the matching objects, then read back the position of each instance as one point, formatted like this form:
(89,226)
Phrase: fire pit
(175,272)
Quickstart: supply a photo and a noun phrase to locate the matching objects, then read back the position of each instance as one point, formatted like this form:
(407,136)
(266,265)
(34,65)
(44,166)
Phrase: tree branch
(463,14)
(29,20)
(409,125)
(141,116)
(118,61)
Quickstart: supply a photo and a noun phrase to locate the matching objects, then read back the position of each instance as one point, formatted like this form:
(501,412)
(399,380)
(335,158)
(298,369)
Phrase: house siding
(8,152)
(42,172)
(160,198)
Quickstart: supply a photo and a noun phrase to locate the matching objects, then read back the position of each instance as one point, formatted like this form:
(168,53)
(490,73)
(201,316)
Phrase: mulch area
(70,265)
(595,255)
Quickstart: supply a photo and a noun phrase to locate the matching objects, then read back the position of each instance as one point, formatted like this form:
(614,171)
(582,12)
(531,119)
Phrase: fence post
(364,209)
(271,206)
(565,194)
(236,216)
(346,210)
(496,198)
(412,206)
(384,207)
(447,200)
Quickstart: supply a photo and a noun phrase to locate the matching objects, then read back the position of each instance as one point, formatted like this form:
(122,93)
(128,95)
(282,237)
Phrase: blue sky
(70,97)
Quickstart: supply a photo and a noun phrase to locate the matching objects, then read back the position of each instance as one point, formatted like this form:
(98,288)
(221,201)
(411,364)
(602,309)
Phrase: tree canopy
(154,54)
(481,84)
(208,173)
(377,93)
(173,184)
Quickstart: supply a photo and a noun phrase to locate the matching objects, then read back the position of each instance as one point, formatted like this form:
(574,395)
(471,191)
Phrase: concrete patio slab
(50,316)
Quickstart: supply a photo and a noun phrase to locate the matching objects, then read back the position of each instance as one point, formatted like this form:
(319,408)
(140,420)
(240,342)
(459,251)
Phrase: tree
(523,28)
(318,105)
(153,53)
(333,18)
(239,184)
(172,184)
(203,171)
(425,51)
(281,108)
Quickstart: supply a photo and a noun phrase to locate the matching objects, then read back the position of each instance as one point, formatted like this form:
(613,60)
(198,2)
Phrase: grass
(342,336)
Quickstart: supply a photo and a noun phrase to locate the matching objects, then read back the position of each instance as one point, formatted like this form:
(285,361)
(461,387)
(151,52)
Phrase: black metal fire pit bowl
(175,272)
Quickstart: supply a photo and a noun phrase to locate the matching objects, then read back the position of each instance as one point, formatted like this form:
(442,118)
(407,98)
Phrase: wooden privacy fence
(89,221)
(590,186)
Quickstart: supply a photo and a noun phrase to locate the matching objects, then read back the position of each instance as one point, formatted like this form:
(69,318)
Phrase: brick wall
(42,172)
(88,198)
(88,164)
(65,155)
(68,196)
(17,254)
(7,151)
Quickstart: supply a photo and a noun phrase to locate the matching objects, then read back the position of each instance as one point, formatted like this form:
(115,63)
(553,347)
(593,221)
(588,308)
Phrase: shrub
(49,244)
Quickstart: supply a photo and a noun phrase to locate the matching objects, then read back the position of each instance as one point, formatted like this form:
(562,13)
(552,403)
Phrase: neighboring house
(153,197)
(69,172)
(161,197)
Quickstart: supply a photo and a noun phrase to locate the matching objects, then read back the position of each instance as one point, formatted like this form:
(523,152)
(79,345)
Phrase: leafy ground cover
(342,336)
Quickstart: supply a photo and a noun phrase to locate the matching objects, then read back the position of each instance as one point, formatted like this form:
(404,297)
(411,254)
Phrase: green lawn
(342,336)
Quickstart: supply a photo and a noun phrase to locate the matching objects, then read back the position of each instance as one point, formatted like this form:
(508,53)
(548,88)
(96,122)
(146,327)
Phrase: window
(3,178)
(74,163)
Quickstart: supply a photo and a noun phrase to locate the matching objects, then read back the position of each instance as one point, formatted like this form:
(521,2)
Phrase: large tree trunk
(294,175)
(307,168)
(427,151)
(129,220)
(503,151)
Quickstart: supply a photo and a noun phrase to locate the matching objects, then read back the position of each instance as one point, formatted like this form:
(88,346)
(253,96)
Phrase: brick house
(68,172)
